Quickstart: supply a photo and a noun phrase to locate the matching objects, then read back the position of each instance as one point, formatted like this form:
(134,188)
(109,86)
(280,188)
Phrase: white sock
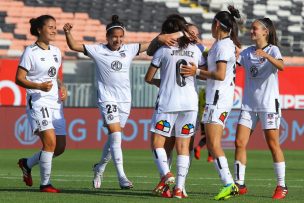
(105,157)
(116,152)
(170,160)
(222,168)
(45,163)
(160,159)
(33,160)
(182,166)
(239,172)
(279,169)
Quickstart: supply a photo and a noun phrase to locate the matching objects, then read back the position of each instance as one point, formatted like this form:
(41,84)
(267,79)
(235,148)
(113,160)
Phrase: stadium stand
(143,20)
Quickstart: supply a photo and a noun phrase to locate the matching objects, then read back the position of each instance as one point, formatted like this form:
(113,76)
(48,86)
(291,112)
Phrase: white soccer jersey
(218,92)
(41,66)
(112,72)
(176,93)
(261,92)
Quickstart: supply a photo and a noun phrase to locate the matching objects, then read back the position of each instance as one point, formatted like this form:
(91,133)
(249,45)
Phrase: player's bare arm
(23,82)
(73,45)
(149,78)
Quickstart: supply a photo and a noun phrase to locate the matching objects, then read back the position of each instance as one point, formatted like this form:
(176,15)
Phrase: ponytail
(38,23)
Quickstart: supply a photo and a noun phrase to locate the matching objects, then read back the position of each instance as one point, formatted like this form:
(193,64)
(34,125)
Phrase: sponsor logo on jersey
(116,65)
(223,116)
(110,117)
(188,129)
(55,58)
(45,122)
(254,71)
(163,125)
(52,71)
(23,131)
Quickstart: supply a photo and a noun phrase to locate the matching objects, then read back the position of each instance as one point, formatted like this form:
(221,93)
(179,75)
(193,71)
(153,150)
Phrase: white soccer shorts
(268,120)
(182,122)
(215,115)
(115,112)
(43,118)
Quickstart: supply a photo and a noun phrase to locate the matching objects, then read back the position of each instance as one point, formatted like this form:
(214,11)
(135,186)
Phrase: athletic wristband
(198,71)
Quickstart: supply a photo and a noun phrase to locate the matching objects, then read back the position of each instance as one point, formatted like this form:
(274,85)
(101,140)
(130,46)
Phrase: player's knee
(240,144)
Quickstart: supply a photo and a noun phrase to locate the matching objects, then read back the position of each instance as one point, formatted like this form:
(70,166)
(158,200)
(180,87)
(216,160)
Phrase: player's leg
(169,146)
(214,120)
(247,121)
(271,124)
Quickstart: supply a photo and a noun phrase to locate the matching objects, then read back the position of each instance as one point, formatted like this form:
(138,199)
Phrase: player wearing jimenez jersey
(261,101)
(176,105)
(219,91)
(38,72)
(112,62)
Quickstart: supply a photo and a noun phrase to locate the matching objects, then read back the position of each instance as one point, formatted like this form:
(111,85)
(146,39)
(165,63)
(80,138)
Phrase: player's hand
(167,39)
(261,53)
(46,86)
(63,92)
(188,70)
(67,27)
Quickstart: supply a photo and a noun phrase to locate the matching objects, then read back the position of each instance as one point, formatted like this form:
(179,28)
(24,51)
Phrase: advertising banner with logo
(85,130)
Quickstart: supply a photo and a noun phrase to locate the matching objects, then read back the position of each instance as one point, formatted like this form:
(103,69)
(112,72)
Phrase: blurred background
(143,20)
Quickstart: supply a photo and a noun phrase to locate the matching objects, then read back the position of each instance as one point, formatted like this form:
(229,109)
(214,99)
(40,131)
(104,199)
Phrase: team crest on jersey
(223,116)
(188,129)
(52,71)
(116,65)
(262,60)
(254,71)
(55,58)
(122,54)
(163,125)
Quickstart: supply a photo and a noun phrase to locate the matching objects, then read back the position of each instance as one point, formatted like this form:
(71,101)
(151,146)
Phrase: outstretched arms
(73,45)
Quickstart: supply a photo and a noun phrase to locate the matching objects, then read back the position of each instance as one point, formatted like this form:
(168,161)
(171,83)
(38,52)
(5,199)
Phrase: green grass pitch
(72,173)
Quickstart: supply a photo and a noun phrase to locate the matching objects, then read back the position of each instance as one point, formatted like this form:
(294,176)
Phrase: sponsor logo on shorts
(223,116)
(163,125)
(110,117)
(188,129)
(45,122)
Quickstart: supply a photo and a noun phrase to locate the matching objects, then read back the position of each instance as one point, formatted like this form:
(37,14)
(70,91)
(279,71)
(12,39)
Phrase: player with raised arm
(38,73)
(262,62)
(176,105)
(220,76)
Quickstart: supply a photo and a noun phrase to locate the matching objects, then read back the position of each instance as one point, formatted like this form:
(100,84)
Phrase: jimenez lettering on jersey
(182,53)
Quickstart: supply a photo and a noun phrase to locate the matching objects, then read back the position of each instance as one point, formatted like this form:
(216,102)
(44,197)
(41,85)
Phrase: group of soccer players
(177,55)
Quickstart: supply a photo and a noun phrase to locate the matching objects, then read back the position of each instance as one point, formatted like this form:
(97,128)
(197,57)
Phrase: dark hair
(38,23)
(229,24)
(172,25)
(272,36)
(176,16)
(114,24)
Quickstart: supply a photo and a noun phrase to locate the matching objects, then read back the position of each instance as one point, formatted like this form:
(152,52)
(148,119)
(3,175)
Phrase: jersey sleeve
(90,50)
(26,61)
(134,49)
(157,58)
(222,54)
(276,53)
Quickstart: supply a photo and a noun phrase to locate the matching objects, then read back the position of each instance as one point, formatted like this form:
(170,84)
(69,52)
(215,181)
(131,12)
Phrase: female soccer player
(37,72)
(176,105)
(219,91)
(113,62)
(262,62)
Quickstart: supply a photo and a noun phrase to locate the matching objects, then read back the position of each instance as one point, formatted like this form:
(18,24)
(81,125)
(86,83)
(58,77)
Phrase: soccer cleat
(178,193)
(167,179)
(166,192)
(125,184)
(48,188)
(98,177)
(209,159)
(227,192)
(242,189)
(197,152)
(27,176)
(184,192)
(280,192)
